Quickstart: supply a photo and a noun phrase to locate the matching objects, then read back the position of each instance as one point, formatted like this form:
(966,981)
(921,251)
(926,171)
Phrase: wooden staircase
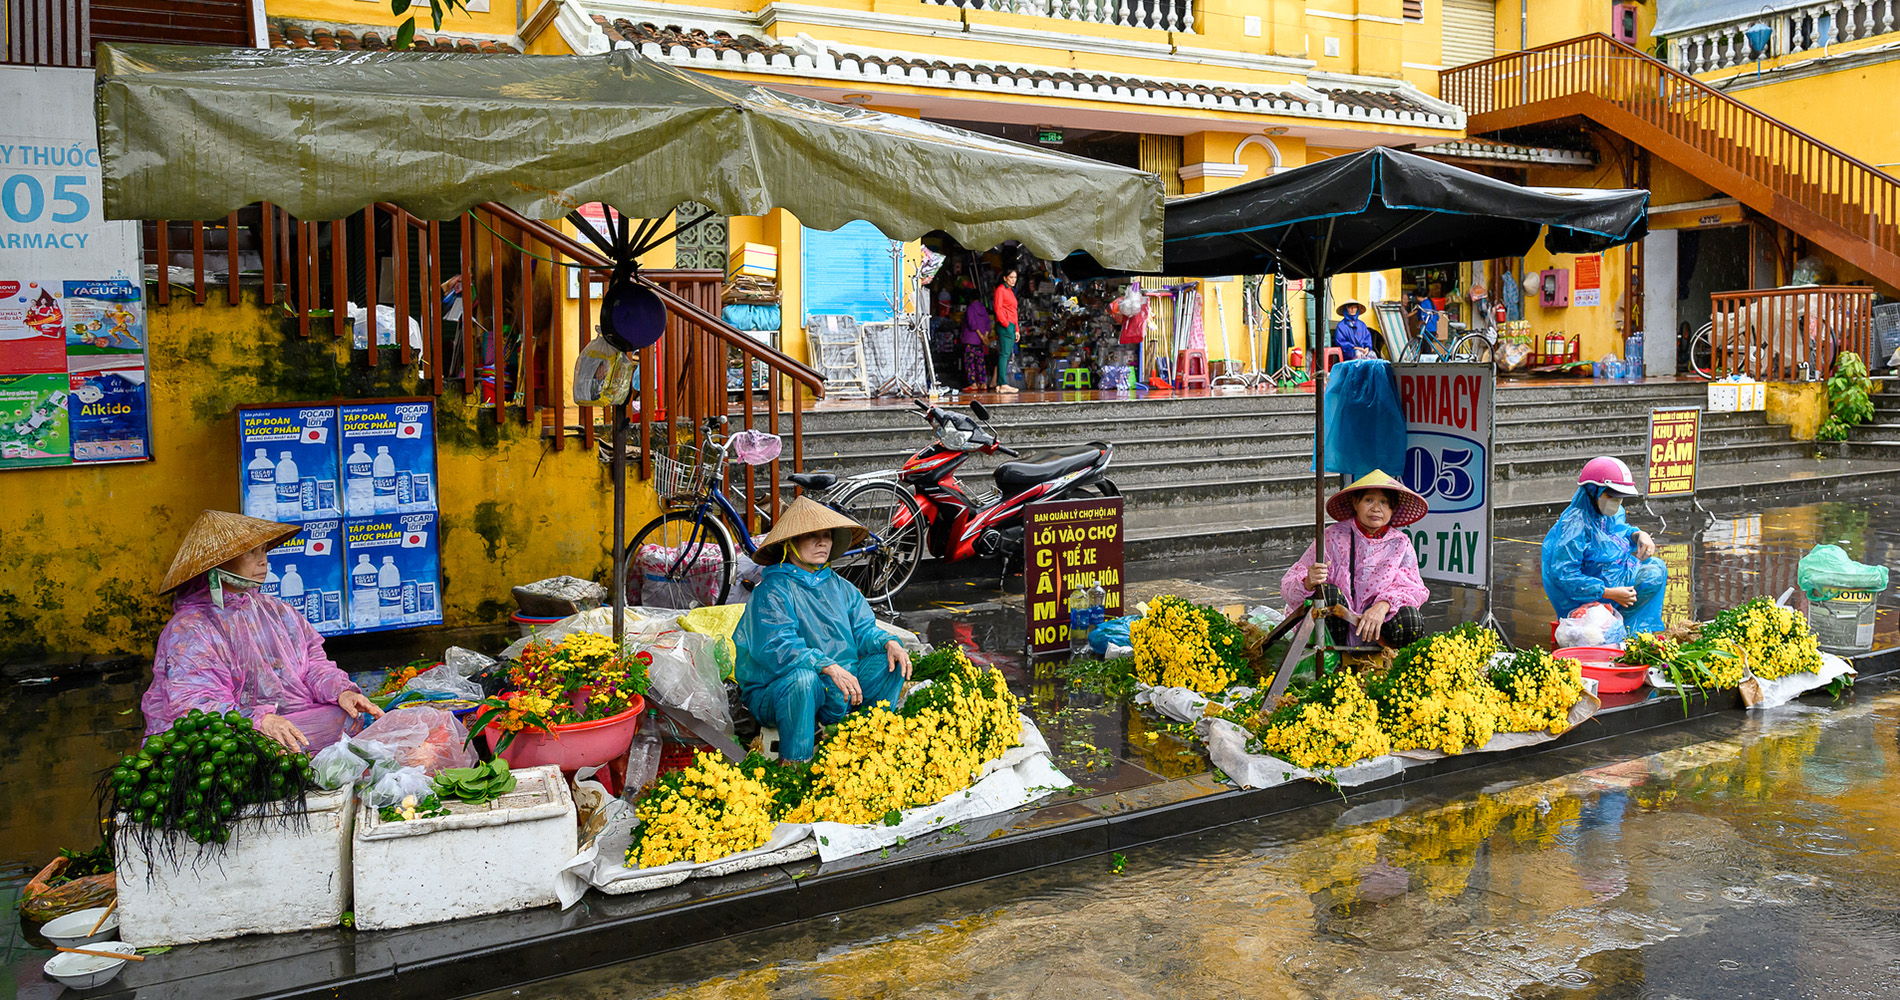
(1831,198)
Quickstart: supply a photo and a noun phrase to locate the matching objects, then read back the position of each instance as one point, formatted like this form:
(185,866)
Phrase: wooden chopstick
(106,954)
(103,916)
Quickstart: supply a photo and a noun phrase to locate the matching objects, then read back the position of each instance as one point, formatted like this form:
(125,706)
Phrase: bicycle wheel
(1702,351)
(1410,352)
(692,565)
(1470,347)
(886,561)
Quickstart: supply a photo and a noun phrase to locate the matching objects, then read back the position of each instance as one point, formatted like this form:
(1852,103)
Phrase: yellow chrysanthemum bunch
(1333,724)
(1435,695)
(880,761)
(701,814)
(1538,691)
(1180,644)
(1775,641)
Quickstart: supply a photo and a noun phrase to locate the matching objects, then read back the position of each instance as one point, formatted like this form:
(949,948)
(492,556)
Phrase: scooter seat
(816,482)
(1015,477)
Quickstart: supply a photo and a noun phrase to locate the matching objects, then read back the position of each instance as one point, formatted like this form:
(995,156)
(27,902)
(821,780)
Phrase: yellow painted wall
(83,548)
(1801,406)
(1599,327)
(499,19)
(1834,108)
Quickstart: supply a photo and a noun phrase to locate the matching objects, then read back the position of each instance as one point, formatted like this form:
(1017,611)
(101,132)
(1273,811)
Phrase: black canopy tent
(1369,211)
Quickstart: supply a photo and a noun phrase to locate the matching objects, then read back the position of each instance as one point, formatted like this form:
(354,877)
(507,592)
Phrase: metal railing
(1160,15)
(1858,200)
(1789,334)
(509,347)
(1801,29)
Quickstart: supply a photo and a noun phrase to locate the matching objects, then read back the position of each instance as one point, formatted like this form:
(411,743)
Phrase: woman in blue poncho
(809,649)
(1593,554)
(1352,336)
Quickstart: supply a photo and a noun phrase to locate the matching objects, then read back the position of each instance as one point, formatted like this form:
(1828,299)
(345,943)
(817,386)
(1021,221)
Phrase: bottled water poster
(289,455)
(395,576)
(360,479)
(307,574)
(388,458)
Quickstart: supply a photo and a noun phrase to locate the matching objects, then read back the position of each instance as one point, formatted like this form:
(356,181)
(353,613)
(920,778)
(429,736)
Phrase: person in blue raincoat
(1351,335)
(810,650)
(1592,554)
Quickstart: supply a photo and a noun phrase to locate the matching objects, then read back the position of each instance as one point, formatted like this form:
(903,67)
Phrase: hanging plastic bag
(603,375)
(756,447)
(339,764)
(1365,425)
(444,680)
(1829,567)
(423,737)
(393,787)
(685,675)
(1593,624)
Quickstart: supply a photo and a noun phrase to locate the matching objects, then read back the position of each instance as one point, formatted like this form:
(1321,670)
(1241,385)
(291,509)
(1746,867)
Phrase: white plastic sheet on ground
(1018,777)
(1227,742)
(1781,690)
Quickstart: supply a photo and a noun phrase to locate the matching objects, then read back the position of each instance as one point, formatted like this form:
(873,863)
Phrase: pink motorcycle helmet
(1610,473)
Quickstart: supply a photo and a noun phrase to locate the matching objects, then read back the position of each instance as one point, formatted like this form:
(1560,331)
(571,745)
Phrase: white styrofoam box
(1724,397)
(1752,397)
(275,875)
(489,858)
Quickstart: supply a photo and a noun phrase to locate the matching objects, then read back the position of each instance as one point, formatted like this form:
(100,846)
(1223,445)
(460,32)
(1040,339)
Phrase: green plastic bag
(1829,568)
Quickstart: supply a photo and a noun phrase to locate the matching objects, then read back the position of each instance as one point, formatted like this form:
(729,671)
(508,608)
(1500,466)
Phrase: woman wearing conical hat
(810,650)
(230,647)
(1370,567)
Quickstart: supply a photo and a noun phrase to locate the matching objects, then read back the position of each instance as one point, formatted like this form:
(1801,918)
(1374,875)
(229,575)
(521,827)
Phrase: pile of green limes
(198,776)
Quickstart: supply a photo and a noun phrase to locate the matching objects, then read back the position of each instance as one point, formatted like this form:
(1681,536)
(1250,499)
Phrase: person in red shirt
(1005,317)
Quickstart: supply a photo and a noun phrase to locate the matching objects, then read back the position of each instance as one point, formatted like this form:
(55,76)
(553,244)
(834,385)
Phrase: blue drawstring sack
(1365,421)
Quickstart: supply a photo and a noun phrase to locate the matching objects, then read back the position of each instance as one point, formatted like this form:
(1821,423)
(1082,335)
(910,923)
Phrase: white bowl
(83,972)
(70,931)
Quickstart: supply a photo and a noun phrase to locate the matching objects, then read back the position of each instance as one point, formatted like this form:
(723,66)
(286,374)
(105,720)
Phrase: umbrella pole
(620,524)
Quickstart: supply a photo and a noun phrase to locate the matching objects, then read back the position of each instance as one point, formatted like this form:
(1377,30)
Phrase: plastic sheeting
(196,133)
(1829,566)
(1365,421)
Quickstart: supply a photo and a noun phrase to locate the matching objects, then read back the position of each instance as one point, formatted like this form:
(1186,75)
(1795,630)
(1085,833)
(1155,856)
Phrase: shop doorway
(1708,261)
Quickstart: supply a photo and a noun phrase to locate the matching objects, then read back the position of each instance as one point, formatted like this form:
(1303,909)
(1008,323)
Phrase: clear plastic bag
(603,375)
(423,737)
(1593,624)
(393,787)
(444,679)
(338,764)
(685,676)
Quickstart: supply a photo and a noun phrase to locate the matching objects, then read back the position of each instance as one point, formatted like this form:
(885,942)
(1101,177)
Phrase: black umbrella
(1370,211)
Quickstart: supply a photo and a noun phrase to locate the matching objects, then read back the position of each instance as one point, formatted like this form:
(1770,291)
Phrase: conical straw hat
(218,537)
(1407,506)
(803,517)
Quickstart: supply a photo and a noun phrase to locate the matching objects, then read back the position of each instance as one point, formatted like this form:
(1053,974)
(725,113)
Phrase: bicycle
(1466,347)
(696,561)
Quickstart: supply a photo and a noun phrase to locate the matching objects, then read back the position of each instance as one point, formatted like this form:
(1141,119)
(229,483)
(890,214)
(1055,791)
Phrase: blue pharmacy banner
(394,572)
(307,574)
(388,458)
(288,463)
(109,415)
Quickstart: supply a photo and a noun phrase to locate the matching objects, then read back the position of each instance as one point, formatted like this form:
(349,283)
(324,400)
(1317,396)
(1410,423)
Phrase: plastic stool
(1190,366)
(1332,357)
(1076,378)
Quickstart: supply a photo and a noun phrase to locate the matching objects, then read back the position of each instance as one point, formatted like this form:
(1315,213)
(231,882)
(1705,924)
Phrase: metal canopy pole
(620,524)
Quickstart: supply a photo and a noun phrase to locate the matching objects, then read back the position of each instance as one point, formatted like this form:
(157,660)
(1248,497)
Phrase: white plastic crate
(490,858)
(274,876)
(1724,397)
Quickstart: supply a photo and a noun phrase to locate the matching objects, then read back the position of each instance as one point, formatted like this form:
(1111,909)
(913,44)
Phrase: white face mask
(1609,505)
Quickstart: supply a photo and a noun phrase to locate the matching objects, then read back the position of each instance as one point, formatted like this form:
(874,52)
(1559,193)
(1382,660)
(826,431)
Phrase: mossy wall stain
(82,548)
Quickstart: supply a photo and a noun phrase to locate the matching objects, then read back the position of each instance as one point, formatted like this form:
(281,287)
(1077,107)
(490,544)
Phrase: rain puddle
(1757,864)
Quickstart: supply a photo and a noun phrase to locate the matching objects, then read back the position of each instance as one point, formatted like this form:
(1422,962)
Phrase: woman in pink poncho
(1370,570)
(230,647)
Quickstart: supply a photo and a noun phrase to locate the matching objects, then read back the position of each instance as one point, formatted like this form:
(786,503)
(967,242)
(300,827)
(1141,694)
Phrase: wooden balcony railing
(1806,184)
(509,346)
(1790,334)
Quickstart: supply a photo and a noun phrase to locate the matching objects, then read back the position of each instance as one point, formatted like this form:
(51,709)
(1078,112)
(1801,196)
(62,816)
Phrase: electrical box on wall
(1623,23)
(1554,288)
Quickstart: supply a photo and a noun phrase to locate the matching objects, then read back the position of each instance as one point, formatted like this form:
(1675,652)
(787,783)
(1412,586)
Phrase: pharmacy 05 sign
(1069,545)
(1448,409)
(1674,437)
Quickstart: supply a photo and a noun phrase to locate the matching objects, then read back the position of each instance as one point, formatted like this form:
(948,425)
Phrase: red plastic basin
(1599,662)
(573,745)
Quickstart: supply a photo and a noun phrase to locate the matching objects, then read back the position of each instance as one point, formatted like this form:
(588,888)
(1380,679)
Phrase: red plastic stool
(1331,357)
(1190,366)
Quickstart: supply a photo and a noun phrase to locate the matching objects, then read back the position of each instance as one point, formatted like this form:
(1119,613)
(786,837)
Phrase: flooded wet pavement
(1754,864)
(63,732)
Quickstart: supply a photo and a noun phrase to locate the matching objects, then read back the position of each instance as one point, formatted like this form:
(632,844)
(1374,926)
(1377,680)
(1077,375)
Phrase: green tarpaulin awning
(195,133)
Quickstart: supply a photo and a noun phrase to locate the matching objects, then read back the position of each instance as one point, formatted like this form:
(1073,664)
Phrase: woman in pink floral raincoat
(230,647)
(1370,570)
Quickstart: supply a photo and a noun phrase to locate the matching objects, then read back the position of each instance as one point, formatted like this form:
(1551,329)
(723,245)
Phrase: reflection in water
(1756,864)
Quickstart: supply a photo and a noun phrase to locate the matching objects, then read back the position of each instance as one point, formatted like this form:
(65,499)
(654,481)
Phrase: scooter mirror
(982,412)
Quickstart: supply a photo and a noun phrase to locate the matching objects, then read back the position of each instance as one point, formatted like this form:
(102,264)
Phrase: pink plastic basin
(1599,662)
(573,745)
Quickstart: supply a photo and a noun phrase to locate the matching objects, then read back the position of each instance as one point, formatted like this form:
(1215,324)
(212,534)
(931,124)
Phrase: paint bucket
(1842,620)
